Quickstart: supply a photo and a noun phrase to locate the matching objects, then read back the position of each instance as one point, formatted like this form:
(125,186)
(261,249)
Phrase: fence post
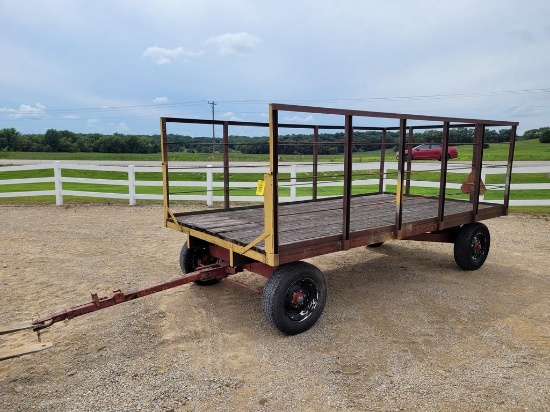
(292,183)
(131,185)
(58,184)
(483,179)
(209,186)
(384,182)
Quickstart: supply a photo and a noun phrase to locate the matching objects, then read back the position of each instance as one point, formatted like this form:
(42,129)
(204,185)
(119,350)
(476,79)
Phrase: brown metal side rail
(270,234)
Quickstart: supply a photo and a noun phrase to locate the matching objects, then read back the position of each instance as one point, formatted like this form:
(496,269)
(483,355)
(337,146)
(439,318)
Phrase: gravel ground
(403,329)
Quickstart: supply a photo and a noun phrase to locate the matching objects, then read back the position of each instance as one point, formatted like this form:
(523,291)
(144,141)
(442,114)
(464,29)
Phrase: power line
(328,100)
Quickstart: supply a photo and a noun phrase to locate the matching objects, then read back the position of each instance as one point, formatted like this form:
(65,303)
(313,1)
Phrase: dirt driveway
(403,329)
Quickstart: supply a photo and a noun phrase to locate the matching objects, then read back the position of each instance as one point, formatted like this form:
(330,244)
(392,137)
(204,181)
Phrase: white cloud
(92,122)
(71,117)
(235,43)
(230,116)
(160,100)
(298,119)
(25,111)
(160,55)
(122,127)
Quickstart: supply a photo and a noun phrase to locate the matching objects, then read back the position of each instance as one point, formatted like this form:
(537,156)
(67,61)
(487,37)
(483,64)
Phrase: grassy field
(525,150)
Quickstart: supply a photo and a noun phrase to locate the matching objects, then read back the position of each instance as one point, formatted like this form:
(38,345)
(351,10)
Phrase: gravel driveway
(403,329)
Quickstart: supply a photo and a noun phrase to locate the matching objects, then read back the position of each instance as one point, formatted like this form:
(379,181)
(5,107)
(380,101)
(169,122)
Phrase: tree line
(66,141)
(329,143)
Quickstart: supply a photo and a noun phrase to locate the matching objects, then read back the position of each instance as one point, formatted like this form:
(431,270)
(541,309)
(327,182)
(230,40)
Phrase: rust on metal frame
(509,165)
(443,176)
(382,161)
(400,177)
(271,200)
(365,113)
(226,165)
(348,153)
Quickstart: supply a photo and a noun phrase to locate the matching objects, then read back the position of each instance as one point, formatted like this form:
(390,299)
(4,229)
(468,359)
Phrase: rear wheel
(193,257)
(294,297)
(472,246)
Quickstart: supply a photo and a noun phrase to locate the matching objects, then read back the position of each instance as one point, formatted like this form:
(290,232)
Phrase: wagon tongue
(216,270)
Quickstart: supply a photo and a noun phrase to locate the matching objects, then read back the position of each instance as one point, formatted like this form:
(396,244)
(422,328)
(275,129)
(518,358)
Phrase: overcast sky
(118,65)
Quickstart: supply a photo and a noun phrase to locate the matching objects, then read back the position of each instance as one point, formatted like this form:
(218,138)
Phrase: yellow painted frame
(170,220)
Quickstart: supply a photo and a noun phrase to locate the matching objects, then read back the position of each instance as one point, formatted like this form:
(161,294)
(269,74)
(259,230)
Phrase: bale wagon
(273,238)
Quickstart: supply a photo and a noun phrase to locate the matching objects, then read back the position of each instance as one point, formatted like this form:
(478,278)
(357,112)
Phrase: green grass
(524,150)
(532,210)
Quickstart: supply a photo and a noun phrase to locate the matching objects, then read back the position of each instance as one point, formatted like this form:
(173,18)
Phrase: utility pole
(213,103)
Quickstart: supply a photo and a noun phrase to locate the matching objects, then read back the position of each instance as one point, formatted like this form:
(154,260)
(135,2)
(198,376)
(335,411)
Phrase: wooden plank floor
(315,220)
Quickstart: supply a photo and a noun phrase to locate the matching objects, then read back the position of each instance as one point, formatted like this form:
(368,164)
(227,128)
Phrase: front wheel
(472,246)
(193,257)
(294,297)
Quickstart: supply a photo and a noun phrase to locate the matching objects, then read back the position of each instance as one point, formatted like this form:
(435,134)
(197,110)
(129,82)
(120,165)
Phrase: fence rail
(209,185)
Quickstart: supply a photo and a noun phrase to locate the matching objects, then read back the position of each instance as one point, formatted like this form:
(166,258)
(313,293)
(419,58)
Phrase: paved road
(427,165)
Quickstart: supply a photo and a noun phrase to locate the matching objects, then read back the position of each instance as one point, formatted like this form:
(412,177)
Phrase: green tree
(52,139)
(536,134)
(9,139)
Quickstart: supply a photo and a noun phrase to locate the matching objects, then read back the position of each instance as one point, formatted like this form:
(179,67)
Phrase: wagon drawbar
(272,239)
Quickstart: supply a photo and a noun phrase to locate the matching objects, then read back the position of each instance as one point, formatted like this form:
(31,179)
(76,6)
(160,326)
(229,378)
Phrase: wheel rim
(478,246)
(301,300)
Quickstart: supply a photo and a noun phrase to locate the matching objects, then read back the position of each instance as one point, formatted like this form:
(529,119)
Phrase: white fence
(209,185)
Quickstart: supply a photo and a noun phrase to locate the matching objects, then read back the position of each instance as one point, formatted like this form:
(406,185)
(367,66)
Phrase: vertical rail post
(508,182)
(348,158)
(131,185)
(400,177)
(409,161)
(381,185)
(226,165)
(478,159)
(271,194)
(443,175)
(315,160)
(58,183)
(164,163)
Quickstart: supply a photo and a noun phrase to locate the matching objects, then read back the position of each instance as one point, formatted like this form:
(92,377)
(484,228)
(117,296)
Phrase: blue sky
(118,65)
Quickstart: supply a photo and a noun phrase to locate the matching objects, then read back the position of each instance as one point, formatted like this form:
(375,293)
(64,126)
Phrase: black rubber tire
(189,262)
(448,157)
(472,246)
(378,244)
(294,297)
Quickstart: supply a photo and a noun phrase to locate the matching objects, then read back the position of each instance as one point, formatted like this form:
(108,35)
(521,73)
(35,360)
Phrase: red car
(430,151)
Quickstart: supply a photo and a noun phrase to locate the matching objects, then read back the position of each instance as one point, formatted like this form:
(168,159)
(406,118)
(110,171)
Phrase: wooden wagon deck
(308,225)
